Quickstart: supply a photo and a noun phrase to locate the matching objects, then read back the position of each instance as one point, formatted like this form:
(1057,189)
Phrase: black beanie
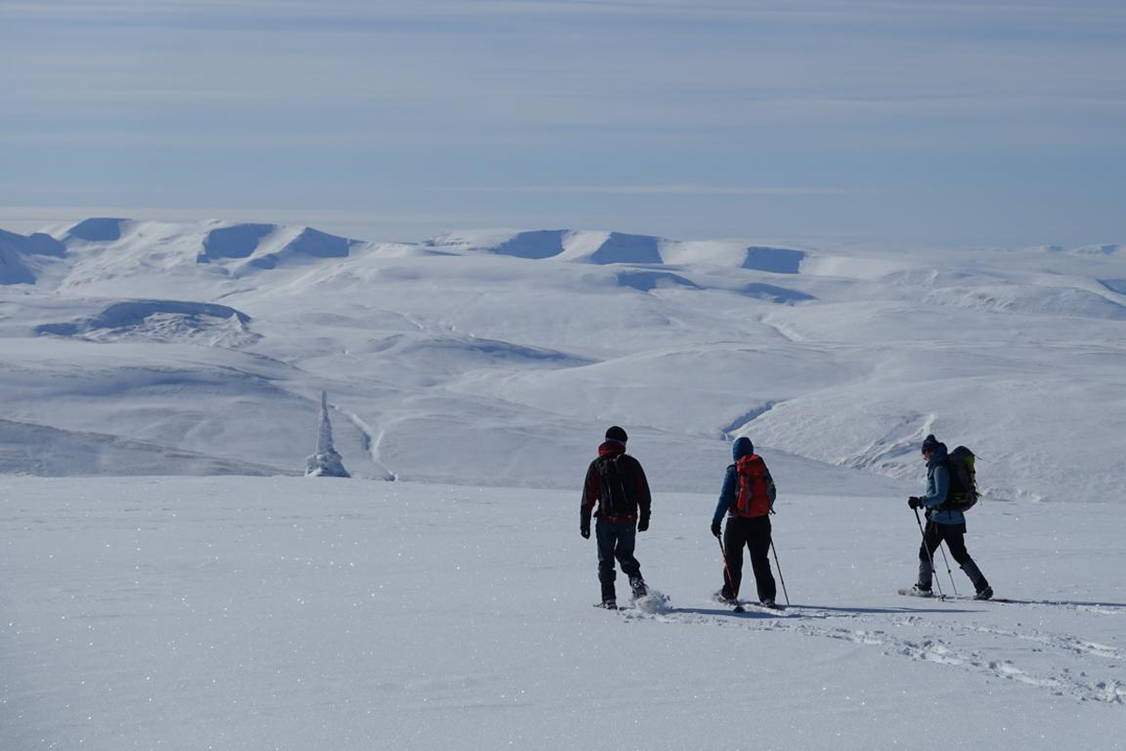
(930,443)
(615,433)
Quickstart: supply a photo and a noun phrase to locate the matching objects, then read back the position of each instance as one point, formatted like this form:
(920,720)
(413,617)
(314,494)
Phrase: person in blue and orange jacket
(747,498)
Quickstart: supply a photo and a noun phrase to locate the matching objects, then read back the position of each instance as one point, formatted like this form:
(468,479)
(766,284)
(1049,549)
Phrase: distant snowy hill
(498,357)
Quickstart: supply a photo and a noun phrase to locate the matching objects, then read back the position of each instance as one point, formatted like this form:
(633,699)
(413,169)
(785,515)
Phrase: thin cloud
(157,11)
(675,189)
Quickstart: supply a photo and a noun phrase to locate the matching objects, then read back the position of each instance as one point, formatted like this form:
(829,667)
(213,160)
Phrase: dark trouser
(616,540)
(954,536)
(755,534)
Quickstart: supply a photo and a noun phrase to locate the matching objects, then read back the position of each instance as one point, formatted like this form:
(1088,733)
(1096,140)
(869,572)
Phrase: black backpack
(615,477)
(963,480)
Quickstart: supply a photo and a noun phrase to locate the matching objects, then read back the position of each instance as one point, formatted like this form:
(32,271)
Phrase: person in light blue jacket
(943,524)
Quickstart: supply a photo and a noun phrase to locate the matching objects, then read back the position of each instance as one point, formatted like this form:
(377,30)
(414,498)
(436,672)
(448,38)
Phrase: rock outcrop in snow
(325,461)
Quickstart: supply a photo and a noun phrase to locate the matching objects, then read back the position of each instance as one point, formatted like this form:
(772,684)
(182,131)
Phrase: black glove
(584,530)
(715,529)
(643,524)
(914,502)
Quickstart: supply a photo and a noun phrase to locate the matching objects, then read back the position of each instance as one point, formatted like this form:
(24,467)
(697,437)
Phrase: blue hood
(742,447)
(938,456)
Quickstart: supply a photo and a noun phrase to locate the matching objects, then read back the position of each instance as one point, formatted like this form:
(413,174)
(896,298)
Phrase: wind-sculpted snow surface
(775,294)
(1059,301)
(580,246)
(1106,250)
(1114,285)
(35,244)
(645,281)
(110,254)
(509,352)
(533,245)
(29,449)
(777,260)
(96,229)
(13,270)
(293,613)
(18,255)
(211,401)
(236,241)
(160,320)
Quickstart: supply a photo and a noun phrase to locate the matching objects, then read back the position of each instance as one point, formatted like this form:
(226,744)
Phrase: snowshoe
(731,602)
(607,604)
(723,599)
(917,591)
(984,594)
(638,588)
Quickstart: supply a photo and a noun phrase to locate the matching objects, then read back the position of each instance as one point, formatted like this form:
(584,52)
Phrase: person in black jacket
(616,484)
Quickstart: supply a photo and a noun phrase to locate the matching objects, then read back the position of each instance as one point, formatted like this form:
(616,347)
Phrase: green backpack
(963,480)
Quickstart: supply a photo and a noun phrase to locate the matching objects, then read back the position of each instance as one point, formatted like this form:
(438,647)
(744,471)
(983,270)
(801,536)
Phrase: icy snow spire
(325,462)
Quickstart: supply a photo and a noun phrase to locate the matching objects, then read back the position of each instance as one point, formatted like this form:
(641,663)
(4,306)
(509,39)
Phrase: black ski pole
(930,555)
(779,566)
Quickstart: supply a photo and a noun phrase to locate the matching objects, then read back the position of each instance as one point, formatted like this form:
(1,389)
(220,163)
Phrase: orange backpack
(754,490)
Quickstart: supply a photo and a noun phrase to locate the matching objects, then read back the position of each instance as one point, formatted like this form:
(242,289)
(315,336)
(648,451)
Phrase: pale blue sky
(921,122)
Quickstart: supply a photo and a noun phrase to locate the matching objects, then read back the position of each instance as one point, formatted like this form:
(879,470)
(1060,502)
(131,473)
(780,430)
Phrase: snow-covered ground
(145,606)
(293,613)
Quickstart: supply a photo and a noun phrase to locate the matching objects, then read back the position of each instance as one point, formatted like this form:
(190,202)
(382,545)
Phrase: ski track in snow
(783,331)
(371,440)
(1066,642)
(1077,680)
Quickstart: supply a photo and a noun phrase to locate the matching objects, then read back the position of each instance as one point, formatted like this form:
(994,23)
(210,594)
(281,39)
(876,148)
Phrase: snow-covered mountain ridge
(497,357)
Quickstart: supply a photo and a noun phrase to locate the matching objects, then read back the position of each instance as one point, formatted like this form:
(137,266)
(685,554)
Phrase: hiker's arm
(644,497)
(591,489)
(726,495)
(941,487)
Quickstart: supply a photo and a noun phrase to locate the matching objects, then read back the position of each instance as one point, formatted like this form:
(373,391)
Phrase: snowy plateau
(168,579)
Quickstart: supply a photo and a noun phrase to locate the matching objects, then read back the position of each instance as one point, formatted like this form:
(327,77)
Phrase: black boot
(609,596)
(724,596)
(983,590)
(926,574)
